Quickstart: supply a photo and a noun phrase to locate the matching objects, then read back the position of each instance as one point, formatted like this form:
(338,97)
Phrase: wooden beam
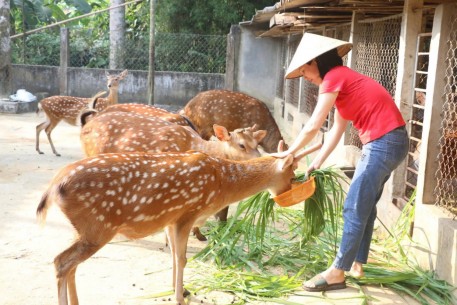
(282,19)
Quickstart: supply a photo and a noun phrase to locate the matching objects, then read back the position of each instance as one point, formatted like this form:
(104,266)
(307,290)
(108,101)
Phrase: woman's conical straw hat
(311,46)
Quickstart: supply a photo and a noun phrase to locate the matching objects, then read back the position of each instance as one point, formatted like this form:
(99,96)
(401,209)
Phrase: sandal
(318,283)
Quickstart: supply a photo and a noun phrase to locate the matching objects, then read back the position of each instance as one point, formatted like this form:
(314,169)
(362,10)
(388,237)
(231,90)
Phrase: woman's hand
(280,154)
(311,168)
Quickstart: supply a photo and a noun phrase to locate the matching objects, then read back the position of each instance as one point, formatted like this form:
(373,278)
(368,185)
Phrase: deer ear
(281,145)
(259,135)
(123,74)
(221,132)
(286,162)
(254,127)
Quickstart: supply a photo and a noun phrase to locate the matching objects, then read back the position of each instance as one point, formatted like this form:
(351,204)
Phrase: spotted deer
(139,194)
(132,132)
(67,108)
(148,110)
(232,110)
(129,132)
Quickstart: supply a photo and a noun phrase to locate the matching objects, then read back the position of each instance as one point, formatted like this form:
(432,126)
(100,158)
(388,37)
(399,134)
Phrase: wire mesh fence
(90,48)
(446,174)
(377,56)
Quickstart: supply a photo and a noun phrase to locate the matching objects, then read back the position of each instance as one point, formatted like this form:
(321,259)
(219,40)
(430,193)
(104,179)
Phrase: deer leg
(179,236)
(39,128)
(222,214)
(65,264)
(48,131)
(71,283)
(170,242)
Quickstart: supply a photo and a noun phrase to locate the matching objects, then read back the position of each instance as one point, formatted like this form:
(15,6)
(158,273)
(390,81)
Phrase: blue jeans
(379,158)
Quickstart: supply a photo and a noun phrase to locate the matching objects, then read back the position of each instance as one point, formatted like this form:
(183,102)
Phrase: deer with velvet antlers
(138,194)
(67,108)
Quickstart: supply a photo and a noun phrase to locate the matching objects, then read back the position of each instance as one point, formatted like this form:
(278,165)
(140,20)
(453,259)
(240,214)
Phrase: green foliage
(190,53)
(204,16)
(271,274)
(89,42)
(86,52)
(39,49)
(30,14)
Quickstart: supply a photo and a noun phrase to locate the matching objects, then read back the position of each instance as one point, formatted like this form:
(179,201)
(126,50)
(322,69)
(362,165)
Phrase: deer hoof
(186,293)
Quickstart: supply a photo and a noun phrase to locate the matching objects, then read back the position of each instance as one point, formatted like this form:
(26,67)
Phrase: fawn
(67,108)
(129,132)
(138,194)
(232,110)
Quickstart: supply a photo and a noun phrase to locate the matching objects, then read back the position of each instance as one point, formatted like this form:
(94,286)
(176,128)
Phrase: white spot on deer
(210,197)
(118,212)
(194,169)
(176,207)
(194,200)
(139,218)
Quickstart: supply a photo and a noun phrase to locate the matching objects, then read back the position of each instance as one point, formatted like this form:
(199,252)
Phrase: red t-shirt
(363,101)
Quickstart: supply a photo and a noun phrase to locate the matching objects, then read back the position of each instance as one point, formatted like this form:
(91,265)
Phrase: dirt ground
(123,272)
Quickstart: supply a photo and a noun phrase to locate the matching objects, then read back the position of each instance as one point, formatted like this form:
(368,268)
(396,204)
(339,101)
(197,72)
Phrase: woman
(381,128)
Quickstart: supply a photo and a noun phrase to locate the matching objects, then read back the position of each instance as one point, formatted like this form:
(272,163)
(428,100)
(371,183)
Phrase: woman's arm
(332,139)
(325,103)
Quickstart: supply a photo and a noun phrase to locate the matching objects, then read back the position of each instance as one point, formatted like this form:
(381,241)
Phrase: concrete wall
(256,64)
(171,88)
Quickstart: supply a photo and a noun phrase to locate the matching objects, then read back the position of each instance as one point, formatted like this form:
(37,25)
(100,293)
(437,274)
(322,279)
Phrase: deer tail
(85,116)
(42,209)
(54,192)
(189,122)
(93,102)
(38,109)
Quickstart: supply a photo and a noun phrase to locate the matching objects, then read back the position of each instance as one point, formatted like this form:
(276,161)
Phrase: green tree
(204,16)
(28,14)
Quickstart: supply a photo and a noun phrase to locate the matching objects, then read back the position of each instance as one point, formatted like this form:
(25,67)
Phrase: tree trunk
(5,49)
(116,32)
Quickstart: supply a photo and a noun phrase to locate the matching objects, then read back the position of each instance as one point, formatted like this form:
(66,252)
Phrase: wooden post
(64,60)
(151,70)
(233,44)
(410,28)
(426,181)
